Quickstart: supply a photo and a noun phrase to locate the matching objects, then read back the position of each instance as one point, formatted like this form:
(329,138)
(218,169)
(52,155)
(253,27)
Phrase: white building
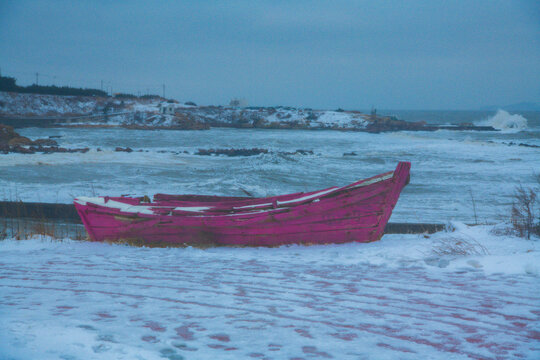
(166,108)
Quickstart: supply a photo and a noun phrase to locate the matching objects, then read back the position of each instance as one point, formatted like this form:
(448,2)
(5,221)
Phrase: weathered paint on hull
(356,212)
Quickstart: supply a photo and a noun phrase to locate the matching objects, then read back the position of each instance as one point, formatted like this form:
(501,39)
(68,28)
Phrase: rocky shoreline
(31,110)
(374,125)
(12,142)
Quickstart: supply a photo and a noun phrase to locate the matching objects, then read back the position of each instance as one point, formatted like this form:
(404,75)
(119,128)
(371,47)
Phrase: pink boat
(356,212)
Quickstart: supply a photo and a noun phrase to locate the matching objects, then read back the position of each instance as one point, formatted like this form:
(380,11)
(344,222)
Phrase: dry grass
(24,229)
(454,246)
(21,221)
(525,214)
(162,244)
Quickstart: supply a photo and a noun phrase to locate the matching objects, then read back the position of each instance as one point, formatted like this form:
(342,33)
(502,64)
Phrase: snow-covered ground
(38,105)
(392,299)
(15,104)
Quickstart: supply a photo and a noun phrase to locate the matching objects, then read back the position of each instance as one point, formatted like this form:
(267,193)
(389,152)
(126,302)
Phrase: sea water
(456,175)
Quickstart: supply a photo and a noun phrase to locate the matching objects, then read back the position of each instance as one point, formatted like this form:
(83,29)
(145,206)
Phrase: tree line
(10,84)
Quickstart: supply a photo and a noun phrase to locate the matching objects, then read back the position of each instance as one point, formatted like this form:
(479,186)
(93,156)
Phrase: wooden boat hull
(356,212)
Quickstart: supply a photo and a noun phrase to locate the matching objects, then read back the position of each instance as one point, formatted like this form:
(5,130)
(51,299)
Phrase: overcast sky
(328,54)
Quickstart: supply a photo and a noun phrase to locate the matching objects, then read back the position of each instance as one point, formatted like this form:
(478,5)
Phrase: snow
(308,197)
(141,209)
(146,111)
(341,119)
(192,208)
(389,299)
(301,199)
(33,104)
(151,107)
(376,179)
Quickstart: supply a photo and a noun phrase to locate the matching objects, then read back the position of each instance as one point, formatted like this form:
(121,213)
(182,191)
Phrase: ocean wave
(505,122)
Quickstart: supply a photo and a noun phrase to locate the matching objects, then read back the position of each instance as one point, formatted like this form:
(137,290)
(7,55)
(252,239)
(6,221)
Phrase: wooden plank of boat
(356,212)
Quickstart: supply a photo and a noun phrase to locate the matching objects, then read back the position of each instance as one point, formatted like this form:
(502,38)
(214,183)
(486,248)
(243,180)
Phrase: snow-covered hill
(147,112)
(15,104)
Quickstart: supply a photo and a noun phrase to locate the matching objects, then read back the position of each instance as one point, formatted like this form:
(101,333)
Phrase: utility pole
(164,91)
(37,78)
(101,85)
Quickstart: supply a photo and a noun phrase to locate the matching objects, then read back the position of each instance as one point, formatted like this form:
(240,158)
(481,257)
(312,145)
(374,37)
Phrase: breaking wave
(506,122)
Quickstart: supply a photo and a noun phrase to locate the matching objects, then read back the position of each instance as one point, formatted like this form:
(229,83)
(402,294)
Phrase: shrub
(455,246)
(150,97)
(311,116)
(526,210)
(124,96)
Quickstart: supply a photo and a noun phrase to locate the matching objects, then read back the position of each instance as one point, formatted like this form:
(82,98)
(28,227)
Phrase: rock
(4,148)
(232,152)
(21,140)
(529,145)
(10,141)
(379,124)
(126,149)
(7,133)
(45,142)
(21,150)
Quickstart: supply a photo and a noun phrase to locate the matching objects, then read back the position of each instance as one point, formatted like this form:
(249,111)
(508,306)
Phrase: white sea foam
(443,164)
(506,122)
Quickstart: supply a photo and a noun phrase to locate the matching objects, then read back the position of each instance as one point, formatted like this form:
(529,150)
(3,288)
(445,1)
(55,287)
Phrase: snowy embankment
(389,299)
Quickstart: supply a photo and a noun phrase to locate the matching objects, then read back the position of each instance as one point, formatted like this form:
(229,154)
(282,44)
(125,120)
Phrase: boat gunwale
(230,226)
(328,193)
(344,193)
